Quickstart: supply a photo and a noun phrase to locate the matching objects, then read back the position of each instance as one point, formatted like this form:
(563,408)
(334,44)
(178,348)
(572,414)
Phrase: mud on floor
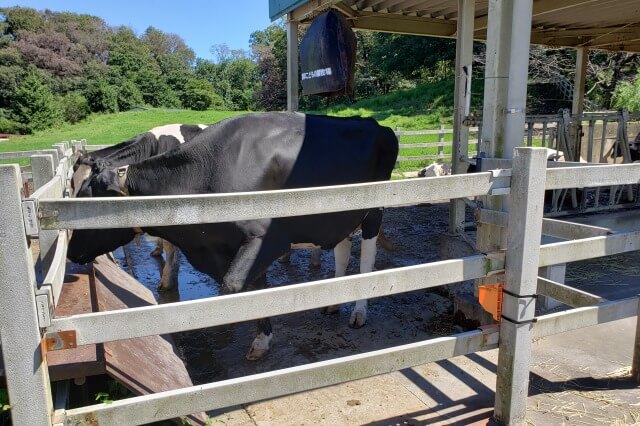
(218,353)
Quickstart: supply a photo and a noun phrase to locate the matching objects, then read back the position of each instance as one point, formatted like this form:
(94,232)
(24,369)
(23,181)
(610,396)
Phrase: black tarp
(328,56)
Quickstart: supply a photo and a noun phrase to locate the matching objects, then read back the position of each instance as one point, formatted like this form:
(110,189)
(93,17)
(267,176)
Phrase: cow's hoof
(328,310)
(259,347)
(166,287)
(358,319)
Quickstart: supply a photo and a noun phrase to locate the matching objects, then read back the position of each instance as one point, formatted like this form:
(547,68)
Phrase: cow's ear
(98,166)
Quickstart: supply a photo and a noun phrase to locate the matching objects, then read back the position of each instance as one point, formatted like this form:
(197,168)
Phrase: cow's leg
(370,229)
(260,345)
(316,254)
(248,267)
(342,254)
(169,278)
(286,258)
(158,250)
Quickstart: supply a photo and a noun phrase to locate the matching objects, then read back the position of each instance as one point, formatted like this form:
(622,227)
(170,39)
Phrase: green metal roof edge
(278,8)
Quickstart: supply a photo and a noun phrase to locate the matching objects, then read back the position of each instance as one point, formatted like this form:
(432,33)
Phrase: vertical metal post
(43,169)
(25,369)
(43,172)
(292,66)
(515,112)
(635,365)
(462,102)
(440,141)
(521,272)
(496,78)
(582,59)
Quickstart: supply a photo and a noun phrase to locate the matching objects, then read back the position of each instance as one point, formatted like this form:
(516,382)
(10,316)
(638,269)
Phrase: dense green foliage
(627,95)
(58,68)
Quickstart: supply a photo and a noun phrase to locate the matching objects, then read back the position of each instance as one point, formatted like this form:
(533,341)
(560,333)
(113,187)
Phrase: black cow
(153,142)
(256,152)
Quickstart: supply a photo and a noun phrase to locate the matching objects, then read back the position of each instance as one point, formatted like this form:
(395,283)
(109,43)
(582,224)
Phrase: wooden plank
(144,365)
(76,298)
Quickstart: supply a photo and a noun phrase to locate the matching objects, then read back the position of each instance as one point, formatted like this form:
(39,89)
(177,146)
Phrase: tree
(269,49)
(627,95)
(198,94)
(101,96)
(33,104)
(74,107)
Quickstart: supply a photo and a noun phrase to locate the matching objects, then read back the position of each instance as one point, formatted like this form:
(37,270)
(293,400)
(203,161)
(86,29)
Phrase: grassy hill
(424,107)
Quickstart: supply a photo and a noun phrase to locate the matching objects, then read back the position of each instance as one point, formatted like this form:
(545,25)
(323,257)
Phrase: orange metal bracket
(490,297)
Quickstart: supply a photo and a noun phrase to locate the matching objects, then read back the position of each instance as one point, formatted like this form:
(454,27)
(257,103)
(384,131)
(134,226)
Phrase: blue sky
(200,23)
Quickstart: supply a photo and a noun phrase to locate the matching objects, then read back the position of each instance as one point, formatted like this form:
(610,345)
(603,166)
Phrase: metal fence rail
(46,214)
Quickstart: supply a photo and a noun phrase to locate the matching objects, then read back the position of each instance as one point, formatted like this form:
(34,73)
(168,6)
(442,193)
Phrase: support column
(43,171)
(635,364)
(25,369)
(462,102)
(521,276)
(292,66)
(582,59)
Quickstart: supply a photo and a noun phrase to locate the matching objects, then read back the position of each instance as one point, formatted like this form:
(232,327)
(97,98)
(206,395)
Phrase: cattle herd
(254,152)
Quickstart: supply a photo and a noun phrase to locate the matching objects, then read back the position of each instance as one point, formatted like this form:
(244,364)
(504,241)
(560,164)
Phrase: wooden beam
(540,8)
(402,8)
(384,5)
(580,80)
(405,24)
(311,9)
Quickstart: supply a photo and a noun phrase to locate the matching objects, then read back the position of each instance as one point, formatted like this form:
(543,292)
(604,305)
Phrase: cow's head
(81,172)
(86,244)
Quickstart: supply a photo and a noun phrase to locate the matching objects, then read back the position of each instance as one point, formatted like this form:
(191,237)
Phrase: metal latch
(30,215)
(58,340)
(501,175)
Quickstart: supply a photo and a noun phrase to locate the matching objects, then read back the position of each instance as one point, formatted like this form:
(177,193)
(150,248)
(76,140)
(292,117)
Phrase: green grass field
(102,129)
(425,107)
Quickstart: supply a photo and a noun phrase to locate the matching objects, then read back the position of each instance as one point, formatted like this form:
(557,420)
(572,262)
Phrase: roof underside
(596,24)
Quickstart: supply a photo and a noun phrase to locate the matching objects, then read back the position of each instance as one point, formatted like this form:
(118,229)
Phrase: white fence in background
(26,303)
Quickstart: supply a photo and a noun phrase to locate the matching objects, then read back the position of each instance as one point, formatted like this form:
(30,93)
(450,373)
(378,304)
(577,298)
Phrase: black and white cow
(153,142)
(255,152)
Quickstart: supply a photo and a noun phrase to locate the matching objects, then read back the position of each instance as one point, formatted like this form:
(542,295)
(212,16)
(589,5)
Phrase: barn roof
(595,24)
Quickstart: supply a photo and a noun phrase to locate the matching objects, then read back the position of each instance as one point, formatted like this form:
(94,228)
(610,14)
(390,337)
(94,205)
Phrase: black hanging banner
(328,56)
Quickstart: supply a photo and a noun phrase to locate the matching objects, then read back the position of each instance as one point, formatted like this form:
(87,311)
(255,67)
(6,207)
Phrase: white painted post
(462,102)
(635,365)
(25,369)
(518,75)
(42,168)
(43,171)
(521,276)
(292,66)
(440,140)
(582,59)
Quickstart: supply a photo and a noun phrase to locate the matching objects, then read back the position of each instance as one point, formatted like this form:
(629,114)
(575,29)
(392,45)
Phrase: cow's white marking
(259,347)
(367,261)
(168,130)
(169,278)
(202,126)
(342,254)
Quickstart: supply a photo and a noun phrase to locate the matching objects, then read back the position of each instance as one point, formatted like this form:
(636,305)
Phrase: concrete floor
(580,378)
